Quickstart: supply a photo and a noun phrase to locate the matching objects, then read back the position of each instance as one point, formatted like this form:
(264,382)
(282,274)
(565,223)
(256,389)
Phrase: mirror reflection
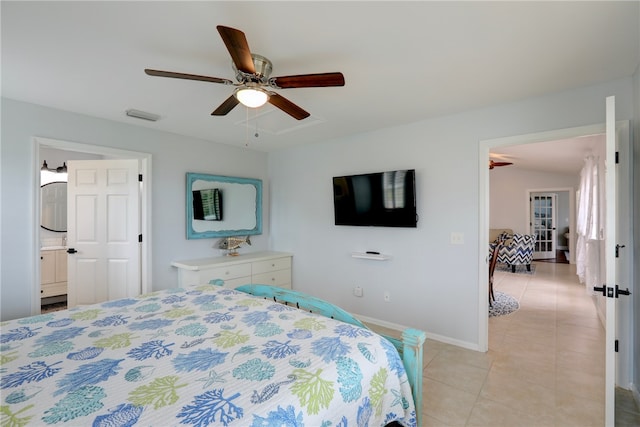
(207,204)
(221,206)
(53,206)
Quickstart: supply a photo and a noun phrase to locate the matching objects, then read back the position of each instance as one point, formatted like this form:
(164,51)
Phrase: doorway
(542,223)
(87,151)
(623,191)
(518,202)
(552,218)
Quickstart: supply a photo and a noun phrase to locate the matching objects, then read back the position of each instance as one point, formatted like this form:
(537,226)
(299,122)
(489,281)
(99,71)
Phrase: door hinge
(618,247)
(140,177)
(139,238)
(616,346)
(617,157)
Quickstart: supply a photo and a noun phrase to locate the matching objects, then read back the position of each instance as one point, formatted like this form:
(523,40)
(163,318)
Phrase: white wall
(563,222)
(509,201)
(172,157)
(433,284)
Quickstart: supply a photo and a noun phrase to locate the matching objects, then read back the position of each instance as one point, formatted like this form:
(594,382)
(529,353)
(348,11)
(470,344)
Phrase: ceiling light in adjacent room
(252,97)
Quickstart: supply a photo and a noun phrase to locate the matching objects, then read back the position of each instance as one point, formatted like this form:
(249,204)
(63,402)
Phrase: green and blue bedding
(196,357)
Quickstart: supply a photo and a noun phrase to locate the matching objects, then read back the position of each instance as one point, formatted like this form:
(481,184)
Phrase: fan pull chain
(246,135)
(256,119)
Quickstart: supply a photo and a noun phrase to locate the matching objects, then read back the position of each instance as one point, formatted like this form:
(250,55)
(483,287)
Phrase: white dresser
(265,268)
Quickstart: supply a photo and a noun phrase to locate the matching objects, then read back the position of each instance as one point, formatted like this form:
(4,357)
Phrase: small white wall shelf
(377,257)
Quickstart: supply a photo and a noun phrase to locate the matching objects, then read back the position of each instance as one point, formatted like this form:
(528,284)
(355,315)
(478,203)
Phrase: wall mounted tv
(383,199)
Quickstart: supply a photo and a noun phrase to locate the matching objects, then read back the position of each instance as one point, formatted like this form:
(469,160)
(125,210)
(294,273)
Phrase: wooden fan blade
(309,80)
(160,73)
(226,106)
(288,107)
(238,48)
(493,164)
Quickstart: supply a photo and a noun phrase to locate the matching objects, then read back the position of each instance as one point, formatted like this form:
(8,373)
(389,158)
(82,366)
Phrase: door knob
(622,292)
(71,251)
(602,289)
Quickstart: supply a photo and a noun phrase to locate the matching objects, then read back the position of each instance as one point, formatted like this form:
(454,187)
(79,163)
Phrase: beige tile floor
(544,367)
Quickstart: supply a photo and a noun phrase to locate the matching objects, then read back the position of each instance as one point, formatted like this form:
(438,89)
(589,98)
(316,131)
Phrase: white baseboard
(435,337)
(636,394)
(601,315)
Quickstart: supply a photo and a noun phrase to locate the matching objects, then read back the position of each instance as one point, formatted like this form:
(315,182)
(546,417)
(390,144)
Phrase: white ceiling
(402,61)
(564,156)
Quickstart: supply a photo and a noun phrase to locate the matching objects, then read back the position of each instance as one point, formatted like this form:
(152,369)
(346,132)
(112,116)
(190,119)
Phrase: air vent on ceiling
(270,121)
(143,115)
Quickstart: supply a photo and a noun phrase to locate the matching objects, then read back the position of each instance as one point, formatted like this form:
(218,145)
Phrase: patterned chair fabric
(518,252)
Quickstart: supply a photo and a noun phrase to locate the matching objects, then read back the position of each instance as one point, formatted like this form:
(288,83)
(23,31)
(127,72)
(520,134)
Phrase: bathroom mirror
(222,206)
(53,206)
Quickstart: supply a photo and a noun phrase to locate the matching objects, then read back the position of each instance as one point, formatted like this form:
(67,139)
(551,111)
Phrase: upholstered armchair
(517,250)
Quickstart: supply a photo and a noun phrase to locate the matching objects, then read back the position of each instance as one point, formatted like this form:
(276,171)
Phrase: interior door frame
(623,130)
(484,147)
(144,160)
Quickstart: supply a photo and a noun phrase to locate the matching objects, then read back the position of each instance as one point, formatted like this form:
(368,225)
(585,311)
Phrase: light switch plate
(457,238)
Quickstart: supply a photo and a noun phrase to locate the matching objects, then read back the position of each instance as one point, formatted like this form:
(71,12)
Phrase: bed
(207,355)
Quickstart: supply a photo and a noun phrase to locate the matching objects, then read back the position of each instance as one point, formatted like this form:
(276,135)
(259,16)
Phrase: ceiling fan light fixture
(252,97)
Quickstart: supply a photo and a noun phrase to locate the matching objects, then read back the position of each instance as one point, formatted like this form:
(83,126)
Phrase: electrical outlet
(357,291)
(387,297)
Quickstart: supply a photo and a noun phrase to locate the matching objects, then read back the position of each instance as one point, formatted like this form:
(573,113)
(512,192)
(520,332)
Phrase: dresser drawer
(53,289)
(272,265)
(225,273)
(231,283)
(281,278)
(268,268)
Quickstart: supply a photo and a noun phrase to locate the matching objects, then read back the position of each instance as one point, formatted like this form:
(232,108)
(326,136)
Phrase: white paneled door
(103,208)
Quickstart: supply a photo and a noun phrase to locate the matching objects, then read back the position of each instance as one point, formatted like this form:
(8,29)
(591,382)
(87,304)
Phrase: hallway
(544,367)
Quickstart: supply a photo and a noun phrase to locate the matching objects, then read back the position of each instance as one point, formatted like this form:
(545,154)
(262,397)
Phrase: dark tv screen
(383,199)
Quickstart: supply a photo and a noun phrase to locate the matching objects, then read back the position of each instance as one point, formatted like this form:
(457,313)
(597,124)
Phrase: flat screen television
(382,199)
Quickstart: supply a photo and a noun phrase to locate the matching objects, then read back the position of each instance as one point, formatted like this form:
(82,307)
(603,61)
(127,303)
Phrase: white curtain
(590,224)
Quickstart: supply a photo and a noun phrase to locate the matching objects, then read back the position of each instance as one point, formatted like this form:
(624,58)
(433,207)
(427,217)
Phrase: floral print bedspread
(198,356)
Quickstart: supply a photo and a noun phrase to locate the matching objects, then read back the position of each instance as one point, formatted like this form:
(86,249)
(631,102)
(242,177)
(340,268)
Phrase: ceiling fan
(254,82)
(493,164)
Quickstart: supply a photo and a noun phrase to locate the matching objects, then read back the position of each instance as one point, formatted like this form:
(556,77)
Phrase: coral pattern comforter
(196,357)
